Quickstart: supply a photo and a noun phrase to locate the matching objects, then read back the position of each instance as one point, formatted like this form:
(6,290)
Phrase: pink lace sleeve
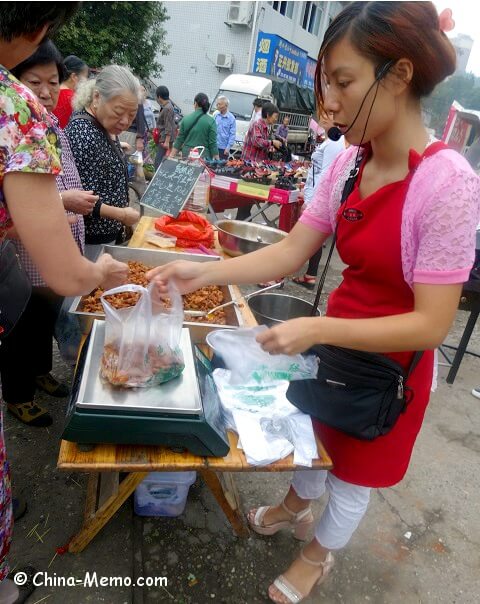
(446,229)
(321,211)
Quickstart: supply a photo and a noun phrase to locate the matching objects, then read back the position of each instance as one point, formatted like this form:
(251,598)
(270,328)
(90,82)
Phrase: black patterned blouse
(101,171)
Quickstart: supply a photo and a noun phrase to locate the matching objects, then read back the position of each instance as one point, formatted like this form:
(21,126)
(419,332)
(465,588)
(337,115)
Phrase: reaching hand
(187,276)
(291,337)
(130,217)
(115,273)
(79,202)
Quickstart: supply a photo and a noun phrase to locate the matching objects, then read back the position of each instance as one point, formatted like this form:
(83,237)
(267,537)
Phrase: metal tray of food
(198,331)
(178,396)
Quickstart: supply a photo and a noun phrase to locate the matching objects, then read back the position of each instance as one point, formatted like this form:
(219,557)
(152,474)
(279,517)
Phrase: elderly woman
(105,107)
(25,363)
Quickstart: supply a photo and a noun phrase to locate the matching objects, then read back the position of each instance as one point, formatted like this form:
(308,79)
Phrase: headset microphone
(334,133)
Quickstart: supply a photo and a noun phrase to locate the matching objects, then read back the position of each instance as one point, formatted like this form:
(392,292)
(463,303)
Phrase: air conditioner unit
(239,13)
(224,61)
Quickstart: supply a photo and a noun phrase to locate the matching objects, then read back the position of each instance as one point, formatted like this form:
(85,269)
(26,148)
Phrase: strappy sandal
(300,522)
(47,383)
(291,592)
(305,281)
(31,414)
(269,283)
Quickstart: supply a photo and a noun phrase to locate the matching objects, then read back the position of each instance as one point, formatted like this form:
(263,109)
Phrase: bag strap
(347,189)
(191,128)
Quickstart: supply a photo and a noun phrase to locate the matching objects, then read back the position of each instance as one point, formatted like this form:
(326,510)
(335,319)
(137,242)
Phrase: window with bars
(284,8)
(312,15)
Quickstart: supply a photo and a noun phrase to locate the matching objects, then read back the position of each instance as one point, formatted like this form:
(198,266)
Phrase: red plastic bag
(156,135)
(190,229)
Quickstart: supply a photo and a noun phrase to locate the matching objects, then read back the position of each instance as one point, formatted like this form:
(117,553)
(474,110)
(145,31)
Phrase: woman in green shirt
(197,130)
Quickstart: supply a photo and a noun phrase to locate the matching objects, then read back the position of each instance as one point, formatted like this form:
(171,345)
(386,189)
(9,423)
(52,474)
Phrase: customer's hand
(130,216)
(187,276)
(277,144)
(115,273)
(139,144)
(78,201)
(125,147)
(291,337)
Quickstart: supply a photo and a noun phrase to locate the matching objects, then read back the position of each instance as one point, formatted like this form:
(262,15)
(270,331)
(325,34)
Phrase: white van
(242,89)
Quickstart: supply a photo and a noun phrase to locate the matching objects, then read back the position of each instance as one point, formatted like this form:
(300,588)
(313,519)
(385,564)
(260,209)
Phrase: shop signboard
(276,56)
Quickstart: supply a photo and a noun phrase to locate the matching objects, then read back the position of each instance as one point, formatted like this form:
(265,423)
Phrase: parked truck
(293,101)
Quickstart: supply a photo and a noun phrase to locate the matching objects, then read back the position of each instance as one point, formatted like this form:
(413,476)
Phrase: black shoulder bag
(15,288)
(359,393)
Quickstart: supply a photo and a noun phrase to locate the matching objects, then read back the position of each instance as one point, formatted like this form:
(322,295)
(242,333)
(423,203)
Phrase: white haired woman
(105,107)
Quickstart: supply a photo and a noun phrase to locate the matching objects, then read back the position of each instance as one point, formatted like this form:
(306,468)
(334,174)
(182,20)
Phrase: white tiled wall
(196,32)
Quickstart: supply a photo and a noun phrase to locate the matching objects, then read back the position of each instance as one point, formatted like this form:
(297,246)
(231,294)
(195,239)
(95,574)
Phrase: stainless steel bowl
(238,237)
(272,309)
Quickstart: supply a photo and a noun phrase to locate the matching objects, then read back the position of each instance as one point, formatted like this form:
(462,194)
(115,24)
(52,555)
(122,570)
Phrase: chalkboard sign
(171,186)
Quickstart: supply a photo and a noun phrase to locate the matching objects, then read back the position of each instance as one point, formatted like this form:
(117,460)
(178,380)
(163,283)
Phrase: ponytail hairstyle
(112,81)
(74,65)
(389,31)
(202,101)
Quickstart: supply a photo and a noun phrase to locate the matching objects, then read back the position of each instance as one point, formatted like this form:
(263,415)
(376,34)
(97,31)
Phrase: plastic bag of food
(142,341)
(250,364)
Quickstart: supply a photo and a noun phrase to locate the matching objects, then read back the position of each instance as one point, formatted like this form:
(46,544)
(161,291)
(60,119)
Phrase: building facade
(463,47)
(211,40)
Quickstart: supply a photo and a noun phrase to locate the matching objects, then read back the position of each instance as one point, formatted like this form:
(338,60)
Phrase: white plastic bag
(142,341)
(249,363)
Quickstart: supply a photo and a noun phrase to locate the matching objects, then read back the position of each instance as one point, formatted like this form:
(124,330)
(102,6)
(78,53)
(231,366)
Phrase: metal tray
(198,331)
(178,396)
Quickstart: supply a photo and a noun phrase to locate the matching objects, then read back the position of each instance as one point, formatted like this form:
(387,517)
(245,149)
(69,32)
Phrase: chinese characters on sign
(275,56)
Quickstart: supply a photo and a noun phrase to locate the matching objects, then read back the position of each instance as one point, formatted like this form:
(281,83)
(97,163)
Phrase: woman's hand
(291,337)
(79,202)
(130,216)
(187,276)
(114,273)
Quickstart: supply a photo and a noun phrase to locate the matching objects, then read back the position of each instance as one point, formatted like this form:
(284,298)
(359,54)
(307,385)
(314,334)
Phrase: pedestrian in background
(198,129)
(77,72)
(226,127)
(165,124)
(257,109)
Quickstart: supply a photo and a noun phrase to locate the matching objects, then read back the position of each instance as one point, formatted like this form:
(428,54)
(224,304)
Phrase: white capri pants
(347,504)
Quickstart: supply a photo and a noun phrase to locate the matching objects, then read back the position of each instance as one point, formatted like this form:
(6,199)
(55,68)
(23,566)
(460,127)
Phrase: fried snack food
(153,368)
(204,298)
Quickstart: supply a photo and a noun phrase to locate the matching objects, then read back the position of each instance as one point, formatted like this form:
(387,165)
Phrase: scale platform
(183,414)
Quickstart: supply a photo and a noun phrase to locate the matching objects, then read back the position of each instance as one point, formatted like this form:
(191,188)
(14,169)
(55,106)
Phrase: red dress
(368,241)
(64,107)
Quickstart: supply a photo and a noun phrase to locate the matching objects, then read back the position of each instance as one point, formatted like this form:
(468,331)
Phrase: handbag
(359,393)
(15,288)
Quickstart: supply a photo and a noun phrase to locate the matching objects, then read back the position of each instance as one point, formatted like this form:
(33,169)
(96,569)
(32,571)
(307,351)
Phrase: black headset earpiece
(384,69)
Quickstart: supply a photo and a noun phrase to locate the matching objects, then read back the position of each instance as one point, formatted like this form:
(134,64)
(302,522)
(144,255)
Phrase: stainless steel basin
(238,237)
(273,309)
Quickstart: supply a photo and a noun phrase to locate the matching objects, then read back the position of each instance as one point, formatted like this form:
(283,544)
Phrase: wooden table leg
(95,523)
(228,500)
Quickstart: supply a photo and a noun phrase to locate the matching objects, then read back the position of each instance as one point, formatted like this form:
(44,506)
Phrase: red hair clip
(445,20)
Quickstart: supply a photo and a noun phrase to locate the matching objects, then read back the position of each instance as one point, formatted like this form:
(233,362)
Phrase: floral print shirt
(28,141)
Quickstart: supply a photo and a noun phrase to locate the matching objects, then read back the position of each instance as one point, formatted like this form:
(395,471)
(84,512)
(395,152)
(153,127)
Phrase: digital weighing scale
(183,414)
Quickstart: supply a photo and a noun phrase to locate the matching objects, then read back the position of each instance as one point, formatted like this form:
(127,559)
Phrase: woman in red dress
(407,236)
